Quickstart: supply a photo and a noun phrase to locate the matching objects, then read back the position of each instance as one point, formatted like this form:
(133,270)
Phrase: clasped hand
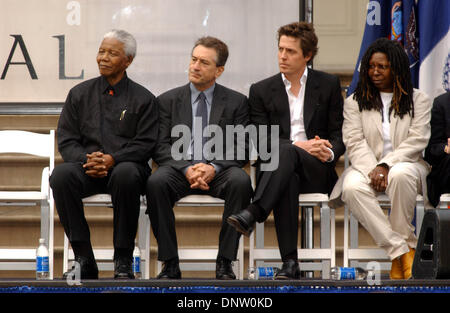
(98,164)
(316,147)
(379,178)
(447,146)
(199,175)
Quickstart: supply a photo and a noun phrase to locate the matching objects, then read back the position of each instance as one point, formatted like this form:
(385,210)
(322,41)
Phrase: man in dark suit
(438,152)
(307,107)
(188,168)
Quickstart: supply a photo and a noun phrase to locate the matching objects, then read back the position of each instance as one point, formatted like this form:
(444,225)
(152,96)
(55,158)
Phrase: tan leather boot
(396,269)
(406,261)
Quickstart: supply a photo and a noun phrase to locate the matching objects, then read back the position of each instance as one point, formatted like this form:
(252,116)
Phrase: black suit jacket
(228,108)
(440,129)
(438,180)
(322,113)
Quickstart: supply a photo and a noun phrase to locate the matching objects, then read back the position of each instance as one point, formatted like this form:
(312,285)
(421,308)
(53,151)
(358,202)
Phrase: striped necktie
(201,113)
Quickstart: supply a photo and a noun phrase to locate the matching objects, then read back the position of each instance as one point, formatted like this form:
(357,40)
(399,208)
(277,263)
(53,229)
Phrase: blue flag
(396,20)
(434,46)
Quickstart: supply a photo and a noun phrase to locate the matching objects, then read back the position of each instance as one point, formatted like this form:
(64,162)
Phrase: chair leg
(333,237)
(325,238)
(251,252)
(241,258)
(144,242)
(47,231)
(346,212)
(354,237)
(420,212)
(66,254)
(307,228)
(259,241)
(51,233)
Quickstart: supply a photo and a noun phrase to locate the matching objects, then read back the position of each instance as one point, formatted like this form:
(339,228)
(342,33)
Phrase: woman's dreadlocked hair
(368,96)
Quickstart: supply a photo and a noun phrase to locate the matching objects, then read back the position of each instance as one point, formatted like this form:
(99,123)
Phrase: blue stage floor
(217,286)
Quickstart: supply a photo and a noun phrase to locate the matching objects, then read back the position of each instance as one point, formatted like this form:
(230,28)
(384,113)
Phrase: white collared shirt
(296,103)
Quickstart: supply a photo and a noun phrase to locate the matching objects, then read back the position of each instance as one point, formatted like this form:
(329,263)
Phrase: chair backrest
(19,141)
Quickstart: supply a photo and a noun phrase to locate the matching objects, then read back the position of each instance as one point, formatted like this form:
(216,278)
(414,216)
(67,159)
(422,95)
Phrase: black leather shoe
(88,269)
(243,222)
(224,270)
(171,270)
(123,268)
(289,270)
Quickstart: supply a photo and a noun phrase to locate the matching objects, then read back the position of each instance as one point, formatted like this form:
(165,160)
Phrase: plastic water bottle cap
(41,240)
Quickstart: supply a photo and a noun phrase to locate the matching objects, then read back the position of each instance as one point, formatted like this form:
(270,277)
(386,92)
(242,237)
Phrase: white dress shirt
(296,104)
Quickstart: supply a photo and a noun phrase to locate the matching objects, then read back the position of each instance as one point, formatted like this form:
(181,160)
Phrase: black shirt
(122,122)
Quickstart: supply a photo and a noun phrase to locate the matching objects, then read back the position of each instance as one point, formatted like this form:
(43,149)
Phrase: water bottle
(137,262)
(266,273)
(42,266)
(348,273)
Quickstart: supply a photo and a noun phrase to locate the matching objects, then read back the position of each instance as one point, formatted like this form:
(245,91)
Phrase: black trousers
(278,190)
(167,185)
(125,183)
(438,181)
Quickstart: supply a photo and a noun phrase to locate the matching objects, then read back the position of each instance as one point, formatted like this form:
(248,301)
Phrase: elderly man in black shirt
(106,135)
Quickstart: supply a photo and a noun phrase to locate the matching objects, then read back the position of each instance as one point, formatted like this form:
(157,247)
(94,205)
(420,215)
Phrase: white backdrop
(165,31)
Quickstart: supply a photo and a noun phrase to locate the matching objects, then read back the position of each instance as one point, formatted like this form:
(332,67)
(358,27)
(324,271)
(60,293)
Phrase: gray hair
(129,43)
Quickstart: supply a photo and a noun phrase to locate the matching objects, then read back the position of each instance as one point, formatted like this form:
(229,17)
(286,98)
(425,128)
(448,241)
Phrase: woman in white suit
(386,129)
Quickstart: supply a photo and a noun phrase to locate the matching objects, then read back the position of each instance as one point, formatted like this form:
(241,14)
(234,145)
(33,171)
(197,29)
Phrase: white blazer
(363,138)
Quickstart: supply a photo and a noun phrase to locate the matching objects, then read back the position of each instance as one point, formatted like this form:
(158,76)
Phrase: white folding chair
(43,145)
(204,259)
(104,257)
(261,256)
(357,256)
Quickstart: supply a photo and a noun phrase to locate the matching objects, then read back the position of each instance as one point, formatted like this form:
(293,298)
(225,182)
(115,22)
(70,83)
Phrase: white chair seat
(312,198)
(101,198)
(22,195)
(200,200)
(17,254)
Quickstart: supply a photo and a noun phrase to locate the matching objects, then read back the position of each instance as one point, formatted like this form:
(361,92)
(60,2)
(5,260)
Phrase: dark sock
(83,249)
(172,260)
(123,253)
(290,256)
(219,258)
(256,211)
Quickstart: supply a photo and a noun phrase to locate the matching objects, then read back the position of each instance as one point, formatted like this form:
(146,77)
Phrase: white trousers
(395,234)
